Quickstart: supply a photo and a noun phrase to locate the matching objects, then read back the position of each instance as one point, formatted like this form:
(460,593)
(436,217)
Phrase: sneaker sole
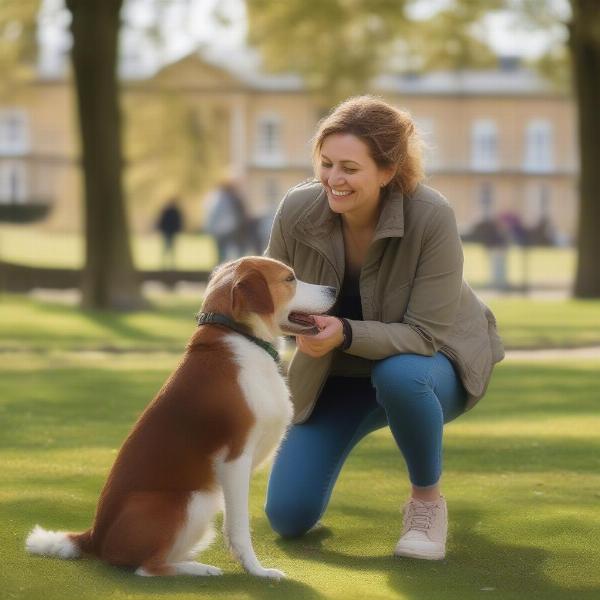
(417,554)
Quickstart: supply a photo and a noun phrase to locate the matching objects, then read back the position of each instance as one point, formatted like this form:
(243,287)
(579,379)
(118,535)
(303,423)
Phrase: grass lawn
(33,246)
(522,471)
(32,324)
(522,479)
(527,323)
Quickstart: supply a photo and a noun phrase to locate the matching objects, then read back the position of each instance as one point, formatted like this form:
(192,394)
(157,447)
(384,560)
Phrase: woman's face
(350,176)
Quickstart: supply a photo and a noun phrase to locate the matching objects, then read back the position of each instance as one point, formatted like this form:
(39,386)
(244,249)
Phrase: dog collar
(219,319)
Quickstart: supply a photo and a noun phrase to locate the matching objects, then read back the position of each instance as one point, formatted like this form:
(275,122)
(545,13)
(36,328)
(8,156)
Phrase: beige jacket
(414,299)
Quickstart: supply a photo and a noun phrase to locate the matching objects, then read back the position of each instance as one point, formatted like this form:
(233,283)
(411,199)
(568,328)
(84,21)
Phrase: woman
(409,345)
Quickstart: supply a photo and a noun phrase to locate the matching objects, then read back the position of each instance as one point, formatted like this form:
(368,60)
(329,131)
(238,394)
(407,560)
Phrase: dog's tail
(58,543)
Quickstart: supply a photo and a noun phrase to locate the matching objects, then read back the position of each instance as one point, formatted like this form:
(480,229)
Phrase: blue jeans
(414,395)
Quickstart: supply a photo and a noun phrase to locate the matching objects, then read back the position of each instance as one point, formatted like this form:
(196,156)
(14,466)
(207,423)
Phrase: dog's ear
(250,293)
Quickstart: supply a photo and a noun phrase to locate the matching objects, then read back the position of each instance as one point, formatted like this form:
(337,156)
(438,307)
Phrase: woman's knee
(292,516)
(399,377)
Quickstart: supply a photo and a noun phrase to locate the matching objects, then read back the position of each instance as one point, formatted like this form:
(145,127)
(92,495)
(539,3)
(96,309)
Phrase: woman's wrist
(347,333)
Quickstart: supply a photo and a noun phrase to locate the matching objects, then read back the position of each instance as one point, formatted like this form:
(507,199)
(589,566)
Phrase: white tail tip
(51,543)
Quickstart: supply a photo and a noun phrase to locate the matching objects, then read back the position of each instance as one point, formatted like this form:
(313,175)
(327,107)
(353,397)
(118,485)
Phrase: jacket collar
(319,227)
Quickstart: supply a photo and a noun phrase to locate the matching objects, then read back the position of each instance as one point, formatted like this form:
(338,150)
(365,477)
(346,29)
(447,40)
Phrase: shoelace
(420,516)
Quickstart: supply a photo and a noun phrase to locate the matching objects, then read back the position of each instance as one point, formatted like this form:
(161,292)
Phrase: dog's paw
(196,569)
(275,574)
(214,571)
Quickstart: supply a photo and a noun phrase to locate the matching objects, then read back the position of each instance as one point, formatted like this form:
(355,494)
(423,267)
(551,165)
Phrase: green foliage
(339,45)
(18,45)
(336,45)
(172,148)
(552,17)
(448,40)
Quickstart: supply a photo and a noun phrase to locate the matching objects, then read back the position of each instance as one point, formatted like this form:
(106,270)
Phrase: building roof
(245,65)
(509,79)
(520,81)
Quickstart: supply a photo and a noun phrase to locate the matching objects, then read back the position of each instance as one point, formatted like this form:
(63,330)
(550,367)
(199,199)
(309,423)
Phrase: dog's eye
(290,278)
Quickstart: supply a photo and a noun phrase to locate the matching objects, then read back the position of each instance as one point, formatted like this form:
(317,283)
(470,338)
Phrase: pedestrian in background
(495,237)
(169,224)
(226,221)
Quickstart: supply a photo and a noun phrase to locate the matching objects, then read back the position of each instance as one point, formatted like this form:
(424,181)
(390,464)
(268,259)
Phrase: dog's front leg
(234,477)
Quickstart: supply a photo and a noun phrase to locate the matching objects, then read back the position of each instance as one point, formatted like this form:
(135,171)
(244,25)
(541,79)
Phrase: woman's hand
(330,336)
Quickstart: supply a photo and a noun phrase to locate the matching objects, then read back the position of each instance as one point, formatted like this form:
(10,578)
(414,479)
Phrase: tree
(584,44)
(580,56)
(192,159)
(109,276)
(339,45)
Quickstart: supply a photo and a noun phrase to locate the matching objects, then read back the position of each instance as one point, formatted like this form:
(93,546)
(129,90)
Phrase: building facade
(496,141)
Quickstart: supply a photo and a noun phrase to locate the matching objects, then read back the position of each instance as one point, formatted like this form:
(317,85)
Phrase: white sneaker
(424,531)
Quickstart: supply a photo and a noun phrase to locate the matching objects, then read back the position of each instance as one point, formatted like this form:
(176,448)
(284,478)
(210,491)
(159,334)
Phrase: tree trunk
(109,277)
(585,54)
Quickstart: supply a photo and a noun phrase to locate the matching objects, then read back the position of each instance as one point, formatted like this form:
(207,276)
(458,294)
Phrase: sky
(185,28)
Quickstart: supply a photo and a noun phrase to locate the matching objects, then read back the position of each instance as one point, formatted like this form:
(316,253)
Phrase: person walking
(227,222)
(169,224)
(409,346)
(495,239)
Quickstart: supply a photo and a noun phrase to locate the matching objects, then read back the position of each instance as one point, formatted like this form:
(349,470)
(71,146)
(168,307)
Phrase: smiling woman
(351,179)
(408,346)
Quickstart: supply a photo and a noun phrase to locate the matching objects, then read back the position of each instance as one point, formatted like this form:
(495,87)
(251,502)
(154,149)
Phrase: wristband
(347,331)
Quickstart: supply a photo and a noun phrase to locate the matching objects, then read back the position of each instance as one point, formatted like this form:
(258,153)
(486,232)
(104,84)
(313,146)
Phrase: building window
(484,145)
(14,132)
(538,146)
(13,182)
(268,140)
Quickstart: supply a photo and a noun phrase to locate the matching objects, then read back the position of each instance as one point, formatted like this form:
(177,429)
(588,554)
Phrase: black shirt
(348,305)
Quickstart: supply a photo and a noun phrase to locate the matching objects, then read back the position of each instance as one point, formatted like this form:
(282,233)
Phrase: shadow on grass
(224,586)
(543,390)
(89,578)
(89,574)
(473,566)
(518,455)
(72,407)
(117,324)
(159,327)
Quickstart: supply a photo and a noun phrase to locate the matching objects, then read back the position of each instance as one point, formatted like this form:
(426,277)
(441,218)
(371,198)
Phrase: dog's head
(265,295)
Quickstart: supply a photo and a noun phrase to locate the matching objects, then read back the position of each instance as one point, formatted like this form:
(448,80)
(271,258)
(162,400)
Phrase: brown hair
(388,132)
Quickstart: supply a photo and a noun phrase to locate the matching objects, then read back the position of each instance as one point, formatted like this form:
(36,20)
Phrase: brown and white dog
(222,412)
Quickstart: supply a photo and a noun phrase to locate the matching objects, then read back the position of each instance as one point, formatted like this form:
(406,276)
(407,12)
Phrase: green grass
(522,479)
(29,324)
(525,323)
(32,324)
(536,267)
(34,246)
(522,470)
